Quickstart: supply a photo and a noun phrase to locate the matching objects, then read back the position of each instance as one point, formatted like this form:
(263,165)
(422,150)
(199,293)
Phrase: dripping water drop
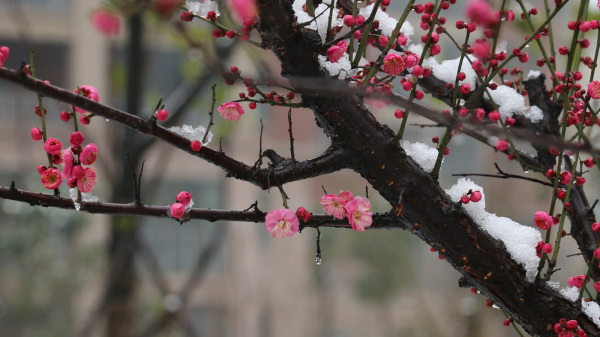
(318,260)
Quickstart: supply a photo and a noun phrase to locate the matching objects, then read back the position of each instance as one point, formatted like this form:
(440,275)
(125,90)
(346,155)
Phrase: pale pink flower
(184,198)
(393,64)
(345,196)
(4,51)
(282,223)
(67,164)
(89,92)
(542,220)
(359,213)
(177,210)
(89,154)
(333,206)
(53,146)
(594,89)
(245,9)
(107,22)
(87,182)
(481,13)
(232,111)
(482,50)
(335,52)
(51,178)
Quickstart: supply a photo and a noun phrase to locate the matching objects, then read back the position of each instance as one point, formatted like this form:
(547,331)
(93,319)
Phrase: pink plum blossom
(333,206)
(177,210)
(359,213)
(88,154)
(53,146)
(76,138)
(245,9)
(162,115)
(106,22)
(542,220)
(67,164)
(184,198)
(231,111)
(481,13)
(335,52)
(345,196)
(36,134)
(594,89)
(501,145)
(303,214)
(393,64)
(51,178)
(282,223)
(78,171)
(87,182)
(576,281)
(87,91)
(4,51)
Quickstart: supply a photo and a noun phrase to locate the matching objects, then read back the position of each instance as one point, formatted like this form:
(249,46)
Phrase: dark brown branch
(332,160)
(503,175)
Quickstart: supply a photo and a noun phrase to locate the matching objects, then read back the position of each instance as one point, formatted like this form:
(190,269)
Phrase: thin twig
(291,135)
(210,113)
(502,175)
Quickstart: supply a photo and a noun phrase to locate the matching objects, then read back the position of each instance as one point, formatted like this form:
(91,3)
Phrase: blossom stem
(42,111)
(363,41)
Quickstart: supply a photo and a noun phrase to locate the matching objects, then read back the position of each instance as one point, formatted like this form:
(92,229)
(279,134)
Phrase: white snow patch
(520,241)
(591,309)
(201,8)
(342,68)
(387,24)
(553,284)
(511,102)
(321,19)
(416,48)
(192,133)
(533,74)
(570,293)
(423,154)
(85,197)
(447,70)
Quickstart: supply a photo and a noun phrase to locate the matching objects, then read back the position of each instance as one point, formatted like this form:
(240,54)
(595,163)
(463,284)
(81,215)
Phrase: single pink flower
(67,164)
(594,89)
(184,198)
(232,111)
(481,13)
(53,146)
(282,223)
(87,182)
(177,210)
(162,115)
(482,50)
(542,220)
(565,177)
(335,52)
(51,178)
(76,138)
(345,196)
(303,214)
(501,145)
(89,154)
(106,22)
(87,91)
(36,134)
(4,51)
(476,196)
(393,64)
(247,10)
(359,213)
(333,206)
(195,146)
(78,171)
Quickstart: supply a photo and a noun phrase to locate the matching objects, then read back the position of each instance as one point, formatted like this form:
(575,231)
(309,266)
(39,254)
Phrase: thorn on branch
(324,191)
(253,206)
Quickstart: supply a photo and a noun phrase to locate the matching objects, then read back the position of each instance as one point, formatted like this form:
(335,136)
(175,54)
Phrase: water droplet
(77,206)
(526,171)
(495,306)
(108,120)
(318,260)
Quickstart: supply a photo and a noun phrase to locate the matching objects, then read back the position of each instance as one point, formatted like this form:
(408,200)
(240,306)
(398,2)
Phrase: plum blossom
(51,178)
(231,111)
(89,92)
(89,154)
(303,214)
(106,22)
(4,51)
(542,220)
(594,89)
(333,206)
(184,198)
(245,9)
(481,13)
(201,8)
(335,52)
(52,146)
(67,164)
(393,64)
(359,213)
(282,223)
(87,182)
(177,210)
(76,138)
(576,281)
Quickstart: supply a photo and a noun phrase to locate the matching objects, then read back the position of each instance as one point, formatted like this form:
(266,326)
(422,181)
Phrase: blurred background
(66,273)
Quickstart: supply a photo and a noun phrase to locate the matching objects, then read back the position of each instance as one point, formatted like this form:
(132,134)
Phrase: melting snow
(192,133)
(423,154)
